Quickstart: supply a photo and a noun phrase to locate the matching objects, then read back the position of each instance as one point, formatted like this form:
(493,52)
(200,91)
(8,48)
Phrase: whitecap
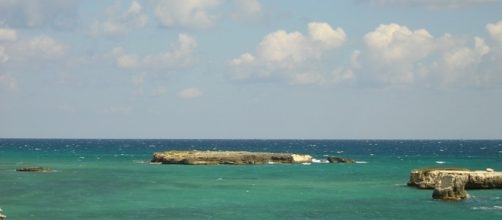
(440,162)
(306,163)
(361,161)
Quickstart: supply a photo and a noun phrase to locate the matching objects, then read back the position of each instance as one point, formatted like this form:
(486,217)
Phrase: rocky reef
(429,177)
(228,157)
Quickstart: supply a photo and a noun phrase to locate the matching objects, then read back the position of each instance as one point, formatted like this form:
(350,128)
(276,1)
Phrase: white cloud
(7,34)
(459,63)
(190,93)
(246,10)
(181,56)
(120,21)
(326,35)
(463,57)
(395,43)
(434,4)
(397,55)
(288,55)
(394,52)
(186,13)
(46,46)
(60,14)
(495,31)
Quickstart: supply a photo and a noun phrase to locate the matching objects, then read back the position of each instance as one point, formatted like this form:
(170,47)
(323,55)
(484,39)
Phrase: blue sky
(361,69)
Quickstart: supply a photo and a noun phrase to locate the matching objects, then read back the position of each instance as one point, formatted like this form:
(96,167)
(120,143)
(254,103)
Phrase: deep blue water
(109,179)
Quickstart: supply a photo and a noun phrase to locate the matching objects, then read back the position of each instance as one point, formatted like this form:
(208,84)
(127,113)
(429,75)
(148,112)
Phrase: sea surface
(112,179)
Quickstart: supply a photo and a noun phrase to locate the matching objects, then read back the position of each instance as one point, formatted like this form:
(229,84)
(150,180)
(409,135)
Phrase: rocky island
(228,157)
(450,183)
(427,178)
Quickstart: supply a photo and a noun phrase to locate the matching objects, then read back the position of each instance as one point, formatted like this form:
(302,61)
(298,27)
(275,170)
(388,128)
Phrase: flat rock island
(228,157)
(428,178)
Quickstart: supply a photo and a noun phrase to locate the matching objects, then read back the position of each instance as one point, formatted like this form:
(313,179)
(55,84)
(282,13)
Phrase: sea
(113,179)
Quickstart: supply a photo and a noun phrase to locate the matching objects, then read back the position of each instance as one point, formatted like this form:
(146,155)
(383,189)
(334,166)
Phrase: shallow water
(109,179)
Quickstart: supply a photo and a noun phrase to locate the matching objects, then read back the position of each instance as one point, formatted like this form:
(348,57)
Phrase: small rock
(340,160)
(450,187)
(33,169)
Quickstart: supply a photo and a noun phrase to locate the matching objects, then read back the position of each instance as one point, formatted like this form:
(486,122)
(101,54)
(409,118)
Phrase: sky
(251,69)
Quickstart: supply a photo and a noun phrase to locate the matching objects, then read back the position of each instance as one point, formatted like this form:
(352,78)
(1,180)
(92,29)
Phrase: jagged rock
(340,160)
(227,157)
(33,169)
(451,187)
(428,178)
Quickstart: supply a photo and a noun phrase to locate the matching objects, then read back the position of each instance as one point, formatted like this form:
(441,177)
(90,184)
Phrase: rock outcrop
(33,169)
(428,178)
(340,160)
(2,216)
(227,157)
(451,187)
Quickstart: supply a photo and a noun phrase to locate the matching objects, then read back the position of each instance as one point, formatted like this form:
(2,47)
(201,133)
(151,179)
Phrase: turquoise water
(109,179)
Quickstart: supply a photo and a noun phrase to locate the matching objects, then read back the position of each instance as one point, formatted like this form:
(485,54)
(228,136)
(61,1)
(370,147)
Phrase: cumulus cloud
(434,4)
(246,10)
(120,21)
(394,50)
(190,93)
(61,14)
(394,43)
(181,56)
(495,31)
(285,53)
(186,13)
(398,55)
(460,63)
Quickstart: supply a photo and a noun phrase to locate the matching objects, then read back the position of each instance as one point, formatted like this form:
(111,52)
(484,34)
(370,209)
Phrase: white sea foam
(495,207)
(316,160)
(440,162)
(361,161)
(306,163)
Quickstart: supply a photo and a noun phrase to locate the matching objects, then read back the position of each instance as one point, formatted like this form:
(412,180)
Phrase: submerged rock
(33,169)
(451,187)
(227,157)
(340,160)
(428,178)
